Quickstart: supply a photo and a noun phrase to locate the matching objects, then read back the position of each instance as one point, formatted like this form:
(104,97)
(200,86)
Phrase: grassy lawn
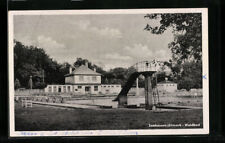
(43,118)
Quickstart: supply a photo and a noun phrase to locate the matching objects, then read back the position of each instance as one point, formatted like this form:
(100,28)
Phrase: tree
(17,84)
(32,61)
(191,76)
(39,85)
(187,28)
(81,61)
(186,48)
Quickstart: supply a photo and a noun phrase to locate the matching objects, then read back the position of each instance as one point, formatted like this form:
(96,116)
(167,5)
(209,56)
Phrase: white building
(110,88)
(167,86)
(84,81)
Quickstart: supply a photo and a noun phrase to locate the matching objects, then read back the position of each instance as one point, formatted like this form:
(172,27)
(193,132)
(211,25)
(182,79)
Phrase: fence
(26,92)
(26,103)
(184,93)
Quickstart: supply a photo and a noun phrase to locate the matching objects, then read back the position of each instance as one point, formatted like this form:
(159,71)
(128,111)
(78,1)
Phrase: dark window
(68,88)
(87,88)
(79,87)
(59,89)
(50,89)
(95,88)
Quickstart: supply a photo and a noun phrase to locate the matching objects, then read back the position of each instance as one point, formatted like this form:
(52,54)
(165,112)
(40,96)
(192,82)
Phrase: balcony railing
(146,66)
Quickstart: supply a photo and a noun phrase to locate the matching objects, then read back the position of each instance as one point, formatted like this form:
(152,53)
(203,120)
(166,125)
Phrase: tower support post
(122,102)
(148,93)
(137,88)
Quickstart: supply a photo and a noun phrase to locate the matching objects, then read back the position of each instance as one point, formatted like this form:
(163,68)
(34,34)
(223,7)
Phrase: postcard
(108,72)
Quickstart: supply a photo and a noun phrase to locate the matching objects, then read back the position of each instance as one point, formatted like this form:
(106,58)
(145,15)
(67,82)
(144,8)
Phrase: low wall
(197,92)
(25,92)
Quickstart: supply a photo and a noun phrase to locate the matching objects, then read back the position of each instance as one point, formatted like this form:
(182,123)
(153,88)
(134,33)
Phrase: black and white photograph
(108,72)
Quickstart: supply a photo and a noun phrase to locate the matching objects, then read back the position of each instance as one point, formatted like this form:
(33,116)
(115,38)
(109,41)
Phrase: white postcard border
(204,130)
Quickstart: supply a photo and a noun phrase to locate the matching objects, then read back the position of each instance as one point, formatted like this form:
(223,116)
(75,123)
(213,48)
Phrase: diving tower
(147,69)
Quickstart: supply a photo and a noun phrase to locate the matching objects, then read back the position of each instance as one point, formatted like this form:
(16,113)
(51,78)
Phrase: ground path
(79,106)
(91,106)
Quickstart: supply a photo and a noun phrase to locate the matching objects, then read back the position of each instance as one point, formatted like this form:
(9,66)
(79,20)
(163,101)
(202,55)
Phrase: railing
(147,66)
(26,103)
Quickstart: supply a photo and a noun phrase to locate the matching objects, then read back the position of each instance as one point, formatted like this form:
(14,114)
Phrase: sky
(109,41)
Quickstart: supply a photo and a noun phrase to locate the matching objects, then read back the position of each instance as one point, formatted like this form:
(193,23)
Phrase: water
(134,100)
(101,101)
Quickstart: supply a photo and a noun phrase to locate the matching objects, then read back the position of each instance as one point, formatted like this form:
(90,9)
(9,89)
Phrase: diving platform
(147,66)
(147,69)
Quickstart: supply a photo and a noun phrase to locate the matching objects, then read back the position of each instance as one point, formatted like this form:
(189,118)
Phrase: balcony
(146,66)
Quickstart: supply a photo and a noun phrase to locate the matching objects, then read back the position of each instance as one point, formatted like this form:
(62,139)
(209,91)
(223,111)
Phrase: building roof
(166,82)
(83,70)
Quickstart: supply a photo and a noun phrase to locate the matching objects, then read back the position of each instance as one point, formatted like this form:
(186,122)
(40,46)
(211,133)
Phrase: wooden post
(137,88)
(148,93)
(30,82)
(157,92)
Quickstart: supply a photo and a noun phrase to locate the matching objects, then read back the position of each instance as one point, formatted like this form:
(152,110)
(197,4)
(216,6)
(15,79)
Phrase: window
(50,89)
(81,78)
(112,86)
(95,88)
(68,88)
(64,88)
(75,89)
(79,87)
(55,89)
(87,88)
(59,89)
(94,78)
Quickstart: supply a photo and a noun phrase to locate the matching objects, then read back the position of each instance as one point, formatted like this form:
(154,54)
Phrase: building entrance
(59,89)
